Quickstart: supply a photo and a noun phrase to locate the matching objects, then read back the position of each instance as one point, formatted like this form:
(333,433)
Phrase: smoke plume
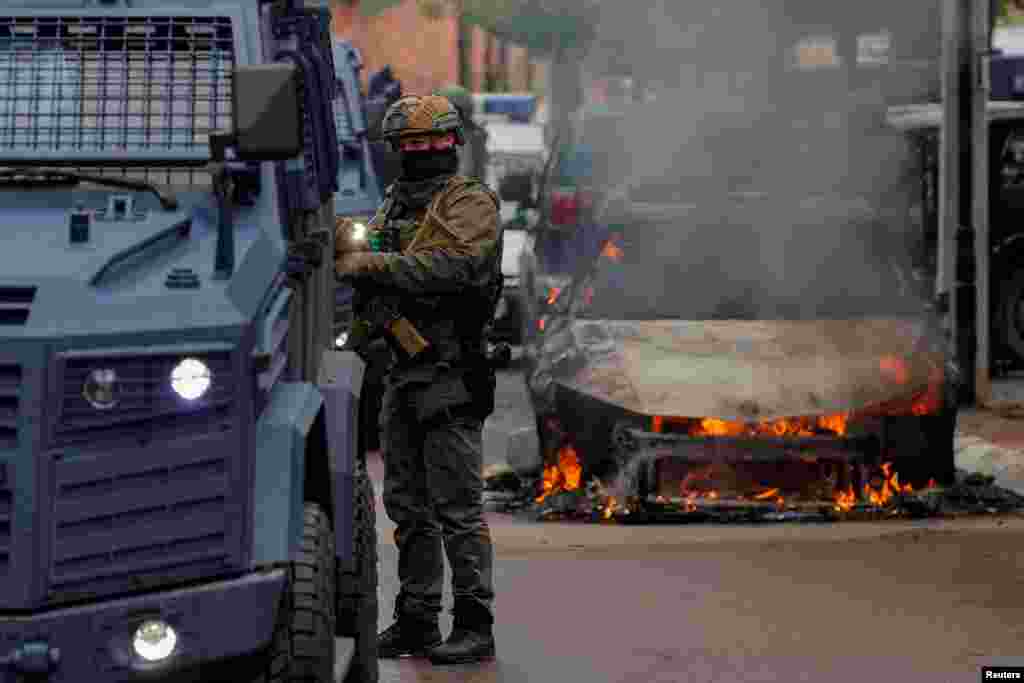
(752,138)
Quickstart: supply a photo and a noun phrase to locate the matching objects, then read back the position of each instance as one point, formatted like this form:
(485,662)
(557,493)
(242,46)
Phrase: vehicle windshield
(88,92)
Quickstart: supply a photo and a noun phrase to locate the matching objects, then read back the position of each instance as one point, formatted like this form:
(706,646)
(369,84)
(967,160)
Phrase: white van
(512,148)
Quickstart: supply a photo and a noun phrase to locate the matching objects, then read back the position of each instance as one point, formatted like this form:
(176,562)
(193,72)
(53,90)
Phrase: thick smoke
(763,178)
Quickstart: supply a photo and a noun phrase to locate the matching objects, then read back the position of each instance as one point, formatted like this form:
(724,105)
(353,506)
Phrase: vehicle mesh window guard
(114,84)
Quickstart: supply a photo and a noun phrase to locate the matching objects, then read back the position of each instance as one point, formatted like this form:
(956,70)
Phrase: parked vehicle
(183,485)
(517,155)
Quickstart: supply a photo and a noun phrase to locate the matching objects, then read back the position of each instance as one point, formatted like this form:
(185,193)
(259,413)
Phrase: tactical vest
(468,315)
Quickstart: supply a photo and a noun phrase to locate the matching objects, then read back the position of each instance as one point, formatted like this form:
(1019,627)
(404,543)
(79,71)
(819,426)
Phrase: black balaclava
(420,166)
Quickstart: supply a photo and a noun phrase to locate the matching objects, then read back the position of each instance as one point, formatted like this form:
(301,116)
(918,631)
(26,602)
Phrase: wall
(422,52)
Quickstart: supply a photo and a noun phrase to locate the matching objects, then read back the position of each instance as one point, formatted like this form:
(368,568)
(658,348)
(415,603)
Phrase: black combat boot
(409,635)
(472,638)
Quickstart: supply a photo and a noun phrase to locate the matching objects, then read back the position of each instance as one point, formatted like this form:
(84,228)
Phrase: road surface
(928,602)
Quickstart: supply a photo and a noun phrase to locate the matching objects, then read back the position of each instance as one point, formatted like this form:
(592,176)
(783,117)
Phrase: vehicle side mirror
(517,188)
(266,113)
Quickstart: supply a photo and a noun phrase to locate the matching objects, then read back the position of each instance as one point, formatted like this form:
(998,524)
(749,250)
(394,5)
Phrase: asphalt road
(928,602)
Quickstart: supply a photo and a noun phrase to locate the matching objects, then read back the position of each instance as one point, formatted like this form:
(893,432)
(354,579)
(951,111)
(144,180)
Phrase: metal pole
(949,166)
(981,48)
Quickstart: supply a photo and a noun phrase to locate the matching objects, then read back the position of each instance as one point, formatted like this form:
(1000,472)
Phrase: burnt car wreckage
(677,376)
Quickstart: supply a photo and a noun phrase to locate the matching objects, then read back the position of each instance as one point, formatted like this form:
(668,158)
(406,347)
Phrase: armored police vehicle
(183,494)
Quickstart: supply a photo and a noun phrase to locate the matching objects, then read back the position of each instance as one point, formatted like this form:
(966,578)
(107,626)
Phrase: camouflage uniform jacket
(448,272)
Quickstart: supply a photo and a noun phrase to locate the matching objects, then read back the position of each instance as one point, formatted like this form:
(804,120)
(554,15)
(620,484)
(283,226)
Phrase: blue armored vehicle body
(183,491)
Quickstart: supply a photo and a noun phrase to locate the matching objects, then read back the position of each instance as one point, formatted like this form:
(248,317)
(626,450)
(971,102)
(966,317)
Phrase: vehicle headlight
(154,641)
(191,379)
(101,388)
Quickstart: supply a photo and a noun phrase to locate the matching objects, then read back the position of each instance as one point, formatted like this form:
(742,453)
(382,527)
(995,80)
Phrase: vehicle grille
(123,516)
(146,498)
(147,405)
(10,390)
(114,84)
(15,303)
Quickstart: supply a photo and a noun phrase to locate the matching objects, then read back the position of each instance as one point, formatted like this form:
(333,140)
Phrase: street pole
(949,168)
(981,47)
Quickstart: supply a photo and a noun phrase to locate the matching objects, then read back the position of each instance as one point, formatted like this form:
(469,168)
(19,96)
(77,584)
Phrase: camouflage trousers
(433,492)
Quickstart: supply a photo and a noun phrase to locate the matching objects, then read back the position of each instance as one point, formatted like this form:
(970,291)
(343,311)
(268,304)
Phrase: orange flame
(894,369)
(931,400)
(845,500)
(610,507)
(793,426)
(563,476)
(612,252)
(765,495)
(553,295)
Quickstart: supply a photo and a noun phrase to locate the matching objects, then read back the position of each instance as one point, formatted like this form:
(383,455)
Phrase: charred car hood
(747,370)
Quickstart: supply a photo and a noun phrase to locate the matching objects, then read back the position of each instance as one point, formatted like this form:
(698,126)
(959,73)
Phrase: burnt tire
(303,648)
(357,605)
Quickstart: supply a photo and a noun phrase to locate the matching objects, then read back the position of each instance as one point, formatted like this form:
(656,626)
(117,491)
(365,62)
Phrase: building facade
(423,52)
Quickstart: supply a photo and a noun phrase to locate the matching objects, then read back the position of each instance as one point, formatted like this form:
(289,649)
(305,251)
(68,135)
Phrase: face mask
(424,165)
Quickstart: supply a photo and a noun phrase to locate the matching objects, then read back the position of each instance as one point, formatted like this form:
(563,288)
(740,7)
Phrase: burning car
(739,331)
(747,400)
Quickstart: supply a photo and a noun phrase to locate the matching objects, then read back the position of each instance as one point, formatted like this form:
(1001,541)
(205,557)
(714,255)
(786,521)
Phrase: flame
(894,369)
(610,507)
(563,476)
(931,400)
(765,495)
(553,294)
(612,252)
(845,500)
(793,426)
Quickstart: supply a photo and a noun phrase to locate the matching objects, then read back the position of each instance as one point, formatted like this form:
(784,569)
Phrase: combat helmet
(416,115)
(462,101)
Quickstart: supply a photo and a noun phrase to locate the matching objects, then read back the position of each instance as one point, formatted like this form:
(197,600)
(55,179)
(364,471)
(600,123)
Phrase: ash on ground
(509,492)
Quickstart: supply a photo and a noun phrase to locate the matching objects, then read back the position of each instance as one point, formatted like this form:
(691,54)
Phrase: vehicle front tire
(357,606)
(303,647)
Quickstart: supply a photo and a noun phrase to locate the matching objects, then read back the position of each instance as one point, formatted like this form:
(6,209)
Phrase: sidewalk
(992,443)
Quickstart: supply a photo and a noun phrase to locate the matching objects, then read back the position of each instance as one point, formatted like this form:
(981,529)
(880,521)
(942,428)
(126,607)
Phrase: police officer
(473,160)
(447,275)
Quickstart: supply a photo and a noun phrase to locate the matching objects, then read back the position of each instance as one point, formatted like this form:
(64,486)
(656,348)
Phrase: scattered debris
(508,492)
